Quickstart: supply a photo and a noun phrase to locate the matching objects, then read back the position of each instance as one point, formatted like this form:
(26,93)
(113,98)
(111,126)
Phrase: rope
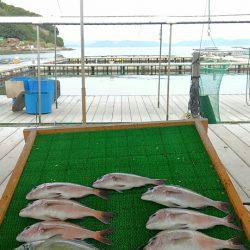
(202,30)
(59,7)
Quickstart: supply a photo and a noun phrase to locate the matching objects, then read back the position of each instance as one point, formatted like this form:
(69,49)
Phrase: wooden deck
(143,108)
(231,141)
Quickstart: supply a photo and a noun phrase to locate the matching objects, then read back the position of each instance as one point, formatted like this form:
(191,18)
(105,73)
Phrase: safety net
(210,81)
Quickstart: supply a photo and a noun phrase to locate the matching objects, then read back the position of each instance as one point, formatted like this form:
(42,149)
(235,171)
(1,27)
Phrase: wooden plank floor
(232,143)
(123,109)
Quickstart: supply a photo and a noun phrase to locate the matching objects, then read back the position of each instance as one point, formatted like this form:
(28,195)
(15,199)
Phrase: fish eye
(151,242)
(26,228)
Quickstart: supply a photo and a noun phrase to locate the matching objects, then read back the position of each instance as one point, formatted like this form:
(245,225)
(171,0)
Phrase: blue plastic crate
(31,103)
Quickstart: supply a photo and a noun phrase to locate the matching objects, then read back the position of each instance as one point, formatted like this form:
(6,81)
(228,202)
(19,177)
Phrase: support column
(194,100)
(159,73)
(56,94)
(83,66)
(169,59)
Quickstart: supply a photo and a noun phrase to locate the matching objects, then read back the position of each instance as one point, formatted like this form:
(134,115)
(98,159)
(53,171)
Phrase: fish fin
(223,206)
(100,236)
(172,204)
(105,217)
(183,226)
(158,182)
(169,192)
(236,243)
(55,237)
(116,178)
(102,193)
(53,186)
(178,240)
(120,185)
(48,229)
(58,195)
(119,191)
(229,220)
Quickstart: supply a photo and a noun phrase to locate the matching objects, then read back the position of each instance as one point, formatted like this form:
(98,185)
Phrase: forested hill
(25,32)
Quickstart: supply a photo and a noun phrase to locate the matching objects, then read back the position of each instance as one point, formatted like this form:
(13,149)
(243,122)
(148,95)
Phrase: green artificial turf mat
(173,153)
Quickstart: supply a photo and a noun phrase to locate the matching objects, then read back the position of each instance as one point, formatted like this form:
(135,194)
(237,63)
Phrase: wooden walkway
(109,108)
(231,141)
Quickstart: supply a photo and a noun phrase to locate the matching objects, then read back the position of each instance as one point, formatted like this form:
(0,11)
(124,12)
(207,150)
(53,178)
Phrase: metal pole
(169,59)
(83,66)
(159,73)
(39,76)
(248,81)
(55,35)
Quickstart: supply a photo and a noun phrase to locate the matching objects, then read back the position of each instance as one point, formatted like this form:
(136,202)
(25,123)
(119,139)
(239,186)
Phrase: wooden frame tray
(201,127)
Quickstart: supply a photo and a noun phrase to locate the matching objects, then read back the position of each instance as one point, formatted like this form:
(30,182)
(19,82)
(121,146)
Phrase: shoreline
(16,52)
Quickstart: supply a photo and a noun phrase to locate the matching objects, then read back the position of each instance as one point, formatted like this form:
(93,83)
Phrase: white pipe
(169,59)
(55,36)
(83,65)
(159,73)
(39,76)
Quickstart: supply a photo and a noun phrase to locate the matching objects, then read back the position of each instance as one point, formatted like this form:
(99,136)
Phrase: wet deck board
(123,109)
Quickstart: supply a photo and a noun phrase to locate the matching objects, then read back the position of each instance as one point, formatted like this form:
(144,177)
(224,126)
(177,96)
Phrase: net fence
(210,82)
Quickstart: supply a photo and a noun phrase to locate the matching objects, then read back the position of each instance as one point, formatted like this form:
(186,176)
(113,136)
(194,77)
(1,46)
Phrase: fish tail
(223,206)
(228,222)
(105,217)
(158,182)
(235,243)
(100,236)
(102,193)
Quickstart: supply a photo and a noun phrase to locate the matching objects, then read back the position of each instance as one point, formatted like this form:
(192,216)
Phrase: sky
(141,7)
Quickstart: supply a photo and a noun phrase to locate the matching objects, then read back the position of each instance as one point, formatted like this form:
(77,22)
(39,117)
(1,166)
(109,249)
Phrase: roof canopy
(124,20)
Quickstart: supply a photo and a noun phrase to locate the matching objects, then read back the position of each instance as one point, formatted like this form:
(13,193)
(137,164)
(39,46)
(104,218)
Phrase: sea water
(132,84)
(144,85)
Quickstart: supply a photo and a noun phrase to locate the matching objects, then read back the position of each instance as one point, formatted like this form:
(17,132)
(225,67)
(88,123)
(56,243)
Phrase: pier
(113,65)
(95,69)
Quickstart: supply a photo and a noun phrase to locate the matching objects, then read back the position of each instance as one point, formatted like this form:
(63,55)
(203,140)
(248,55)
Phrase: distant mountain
(131,43)
(123,43)
(25,32)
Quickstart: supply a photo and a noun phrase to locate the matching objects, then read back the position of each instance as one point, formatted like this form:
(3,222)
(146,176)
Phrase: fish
(121,181)
(62,209)
(173,196)
(189,240)
(57,242)
(176,218)
(34,245)
(44,230)
(63,190)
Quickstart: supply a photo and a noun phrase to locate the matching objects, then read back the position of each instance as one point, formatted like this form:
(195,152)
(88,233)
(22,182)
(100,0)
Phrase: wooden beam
(11,186)
(72,129)
(239,208)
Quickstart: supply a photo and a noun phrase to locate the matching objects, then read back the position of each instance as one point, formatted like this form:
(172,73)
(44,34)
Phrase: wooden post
(194,100)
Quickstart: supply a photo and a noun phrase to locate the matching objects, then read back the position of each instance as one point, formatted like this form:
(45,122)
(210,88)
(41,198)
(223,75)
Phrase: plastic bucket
(31,103)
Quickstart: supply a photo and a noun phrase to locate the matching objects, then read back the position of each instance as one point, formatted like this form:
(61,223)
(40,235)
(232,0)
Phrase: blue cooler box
(31,103)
